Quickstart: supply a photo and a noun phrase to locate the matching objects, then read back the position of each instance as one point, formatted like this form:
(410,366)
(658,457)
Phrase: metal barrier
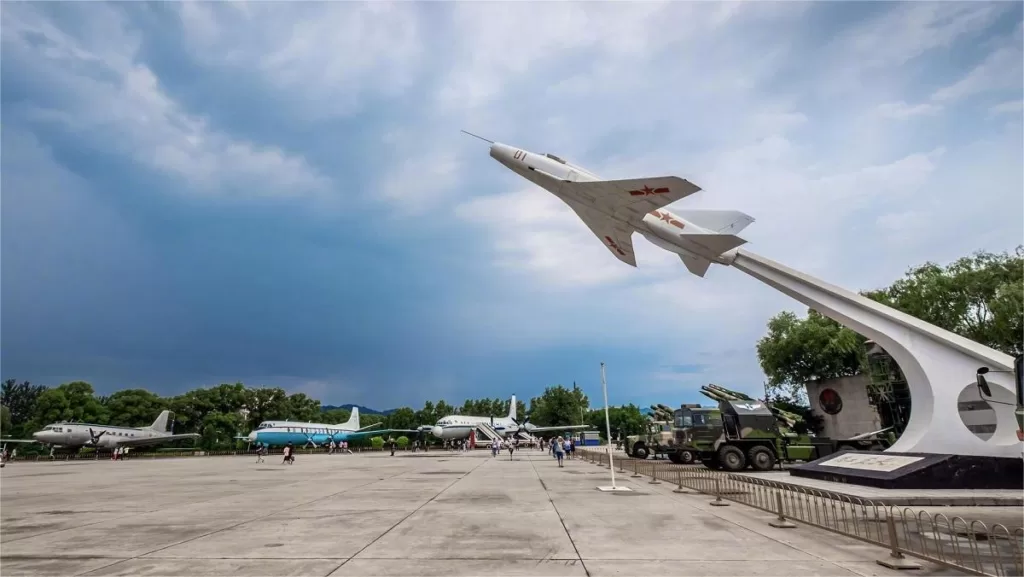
(968,546)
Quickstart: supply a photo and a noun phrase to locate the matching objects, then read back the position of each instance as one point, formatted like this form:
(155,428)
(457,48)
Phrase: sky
(279,194)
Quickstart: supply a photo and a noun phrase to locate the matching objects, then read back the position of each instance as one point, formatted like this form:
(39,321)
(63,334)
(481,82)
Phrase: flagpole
(608,430)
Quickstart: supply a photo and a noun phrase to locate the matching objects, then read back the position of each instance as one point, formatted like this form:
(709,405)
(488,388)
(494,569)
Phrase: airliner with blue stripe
(278,433)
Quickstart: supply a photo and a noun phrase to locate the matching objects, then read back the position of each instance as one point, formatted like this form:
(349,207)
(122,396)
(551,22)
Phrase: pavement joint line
(403,519)
(286,509)
(133,514)
(560,519)
(715,513)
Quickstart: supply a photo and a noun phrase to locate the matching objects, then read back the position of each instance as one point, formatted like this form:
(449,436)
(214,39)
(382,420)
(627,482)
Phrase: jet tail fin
(353,420)
(163,422)
(512,408)
(695,264)
(719,221)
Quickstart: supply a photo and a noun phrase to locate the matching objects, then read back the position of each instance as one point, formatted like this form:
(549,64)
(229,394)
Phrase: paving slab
(438,513)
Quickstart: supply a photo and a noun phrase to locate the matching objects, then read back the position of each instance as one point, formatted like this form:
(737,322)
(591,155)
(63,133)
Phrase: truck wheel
(732,458)
(640,451)
(686,457)
(761,458)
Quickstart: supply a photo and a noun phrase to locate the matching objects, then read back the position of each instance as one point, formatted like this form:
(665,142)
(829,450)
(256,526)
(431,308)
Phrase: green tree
(134,407)
(5,422)
(267,403)
(336,416)
(402,418)
(219,430)
(402,441)
(427,415)
(20,399)
(70,402)
(627,420)
(980,297)
(377,442)
(558,406)
(303,408)
(796,351)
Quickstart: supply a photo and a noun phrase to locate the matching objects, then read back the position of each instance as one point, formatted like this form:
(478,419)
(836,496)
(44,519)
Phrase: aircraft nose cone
(252,437)
(436,431)
(37,435)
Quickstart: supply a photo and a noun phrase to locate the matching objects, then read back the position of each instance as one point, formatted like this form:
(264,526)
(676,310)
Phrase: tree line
(222,412)
(980,297)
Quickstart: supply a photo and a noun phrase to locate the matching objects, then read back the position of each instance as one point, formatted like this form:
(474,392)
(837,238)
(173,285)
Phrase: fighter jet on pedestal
(615,209)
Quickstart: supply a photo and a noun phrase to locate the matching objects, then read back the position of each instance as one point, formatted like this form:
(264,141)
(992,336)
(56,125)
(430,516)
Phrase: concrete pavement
(438,513)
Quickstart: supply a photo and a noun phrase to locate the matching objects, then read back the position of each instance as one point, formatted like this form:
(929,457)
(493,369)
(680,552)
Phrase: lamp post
(608,430)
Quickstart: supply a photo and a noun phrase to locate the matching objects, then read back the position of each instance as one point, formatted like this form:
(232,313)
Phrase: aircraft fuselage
(660,227)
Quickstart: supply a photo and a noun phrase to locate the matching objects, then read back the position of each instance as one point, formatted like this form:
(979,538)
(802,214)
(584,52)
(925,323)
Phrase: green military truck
(656,440)
(748,435)
(686,418)
(663,437)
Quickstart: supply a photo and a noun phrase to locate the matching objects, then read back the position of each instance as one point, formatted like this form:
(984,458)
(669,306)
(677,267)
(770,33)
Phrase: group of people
(562,449)
(508,444)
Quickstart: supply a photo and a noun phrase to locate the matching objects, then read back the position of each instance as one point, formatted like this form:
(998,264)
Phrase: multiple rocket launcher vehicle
(740,432)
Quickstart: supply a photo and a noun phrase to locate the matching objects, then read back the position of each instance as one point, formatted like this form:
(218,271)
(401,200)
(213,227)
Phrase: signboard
(879,462)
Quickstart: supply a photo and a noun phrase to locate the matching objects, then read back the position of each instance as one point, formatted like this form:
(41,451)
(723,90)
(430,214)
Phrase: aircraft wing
(362,434)
(633,198)
(532,430)
(19,441)
(616,237)
(156,440)
(368,427)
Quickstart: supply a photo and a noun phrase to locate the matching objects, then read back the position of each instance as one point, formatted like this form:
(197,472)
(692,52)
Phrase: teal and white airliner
(278,433)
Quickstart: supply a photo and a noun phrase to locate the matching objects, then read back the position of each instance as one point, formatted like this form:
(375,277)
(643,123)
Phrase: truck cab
(656,440)
(692,421)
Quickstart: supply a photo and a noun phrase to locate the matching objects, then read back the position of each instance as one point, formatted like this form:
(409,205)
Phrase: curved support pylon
(937,363)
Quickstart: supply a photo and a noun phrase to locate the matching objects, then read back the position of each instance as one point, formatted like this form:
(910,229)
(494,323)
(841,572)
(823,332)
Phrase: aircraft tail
(512,408)
(353,420)
(719,221)
(163,422)
(695,264)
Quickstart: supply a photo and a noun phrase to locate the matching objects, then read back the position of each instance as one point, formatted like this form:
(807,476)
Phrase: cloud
(103,94)
(328,59)
(429,270)
(1000,69)
(901,110)
(1010,107)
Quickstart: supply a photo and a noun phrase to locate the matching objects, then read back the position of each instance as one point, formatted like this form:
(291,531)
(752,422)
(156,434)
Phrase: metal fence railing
(972,547)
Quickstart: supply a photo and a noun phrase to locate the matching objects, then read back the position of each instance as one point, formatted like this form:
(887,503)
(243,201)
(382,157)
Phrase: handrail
(968,546)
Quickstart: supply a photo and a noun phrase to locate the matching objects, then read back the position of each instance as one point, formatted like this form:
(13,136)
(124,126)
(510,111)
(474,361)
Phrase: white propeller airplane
(78,435)
(459,426)
(615,209)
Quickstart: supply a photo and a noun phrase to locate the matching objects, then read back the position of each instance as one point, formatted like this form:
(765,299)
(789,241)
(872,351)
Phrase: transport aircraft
(460,426)
(277,433)
(78,435)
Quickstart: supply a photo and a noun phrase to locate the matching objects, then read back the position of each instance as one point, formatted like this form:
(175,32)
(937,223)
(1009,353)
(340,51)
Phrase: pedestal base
(915,470)
(616,489)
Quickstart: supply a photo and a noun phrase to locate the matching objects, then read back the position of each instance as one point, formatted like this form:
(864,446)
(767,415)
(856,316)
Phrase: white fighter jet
(615,209)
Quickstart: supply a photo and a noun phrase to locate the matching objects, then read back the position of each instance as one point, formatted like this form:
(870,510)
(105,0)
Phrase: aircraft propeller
(95,438)
(522,426)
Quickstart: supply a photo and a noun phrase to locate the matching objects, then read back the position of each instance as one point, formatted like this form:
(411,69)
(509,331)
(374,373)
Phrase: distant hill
(362,410)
